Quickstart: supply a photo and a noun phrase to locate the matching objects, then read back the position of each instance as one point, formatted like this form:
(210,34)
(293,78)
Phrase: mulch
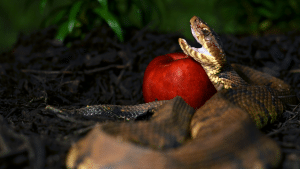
(99,69)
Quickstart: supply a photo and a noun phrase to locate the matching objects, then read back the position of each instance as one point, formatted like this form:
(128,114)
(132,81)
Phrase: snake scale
(223,133)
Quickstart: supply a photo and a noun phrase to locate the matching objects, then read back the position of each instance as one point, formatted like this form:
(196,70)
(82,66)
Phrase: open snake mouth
(199,54)
(203,35)
(211,55)
(202,49)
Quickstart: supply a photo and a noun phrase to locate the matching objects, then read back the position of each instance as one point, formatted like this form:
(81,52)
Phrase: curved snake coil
(223,133)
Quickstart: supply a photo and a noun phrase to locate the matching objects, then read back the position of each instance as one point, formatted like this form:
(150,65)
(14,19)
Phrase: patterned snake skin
(223,133)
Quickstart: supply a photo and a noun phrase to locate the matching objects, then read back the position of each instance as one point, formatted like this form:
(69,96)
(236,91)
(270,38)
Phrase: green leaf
(111,21)
(103,3)
(43,5)
(62,31)
(264,12)
(73,13)
(264,25)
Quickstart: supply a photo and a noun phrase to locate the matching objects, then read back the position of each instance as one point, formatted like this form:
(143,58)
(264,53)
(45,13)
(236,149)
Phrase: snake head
(211,55)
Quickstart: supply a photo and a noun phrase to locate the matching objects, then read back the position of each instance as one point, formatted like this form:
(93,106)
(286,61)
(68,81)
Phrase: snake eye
(205,31)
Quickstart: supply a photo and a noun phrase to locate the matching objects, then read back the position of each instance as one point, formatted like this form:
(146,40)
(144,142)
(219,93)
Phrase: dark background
(250,17)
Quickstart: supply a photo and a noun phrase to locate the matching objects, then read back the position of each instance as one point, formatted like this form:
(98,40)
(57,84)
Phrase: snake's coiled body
(223,133)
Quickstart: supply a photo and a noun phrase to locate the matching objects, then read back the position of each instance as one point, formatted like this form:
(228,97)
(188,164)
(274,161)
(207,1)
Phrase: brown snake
(223,133)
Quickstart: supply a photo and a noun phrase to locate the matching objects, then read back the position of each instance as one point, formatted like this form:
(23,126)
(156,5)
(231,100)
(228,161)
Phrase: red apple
(175,74)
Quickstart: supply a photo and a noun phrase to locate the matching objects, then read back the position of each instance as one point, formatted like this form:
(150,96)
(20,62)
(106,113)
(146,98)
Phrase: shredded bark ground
(100,70)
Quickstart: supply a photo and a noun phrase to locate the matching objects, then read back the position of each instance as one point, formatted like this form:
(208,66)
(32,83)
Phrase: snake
(223,133)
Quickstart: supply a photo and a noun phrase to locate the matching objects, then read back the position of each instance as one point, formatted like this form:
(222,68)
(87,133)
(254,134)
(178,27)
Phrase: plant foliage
(80,16)
(257,16)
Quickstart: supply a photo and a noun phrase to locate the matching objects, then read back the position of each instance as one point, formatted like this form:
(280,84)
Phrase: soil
(41,71)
